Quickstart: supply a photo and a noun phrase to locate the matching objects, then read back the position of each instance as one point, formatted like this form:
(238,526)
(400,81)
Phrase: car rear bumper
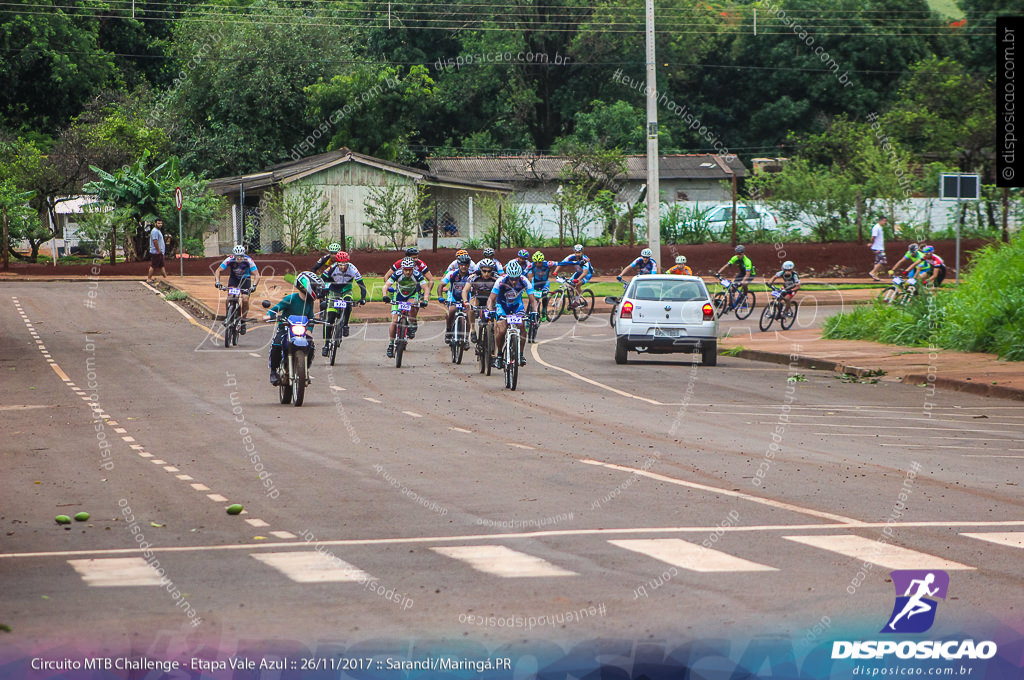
(662,344)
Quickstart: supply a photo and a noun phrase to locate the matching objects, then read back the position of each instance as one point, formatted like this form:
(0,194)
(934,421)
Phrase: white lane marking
(25,407)
(1013,539)
(256,523)
(882,554)
(200,487)
(519,446)
(181,311)
(533,535)
(412,414)
(727,492)
(916,436)
(171,468)
(128,439)
(896,427)
(871,417)
(313,567)
(144,454)
(988,455)
(120,430)
(184,477)
(460,429)
(282,534)
(157,461)
(534,348)
(338,388)
(60,374)
(691,556)
(502,561)
(253,354)
(937,446)
(137,447)
(216,497)
(371,399)
(116,571)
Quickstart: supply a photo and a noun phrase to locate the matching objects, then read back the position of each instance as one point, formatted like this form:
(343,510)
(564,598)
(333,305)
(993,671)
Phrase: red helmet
(341,256)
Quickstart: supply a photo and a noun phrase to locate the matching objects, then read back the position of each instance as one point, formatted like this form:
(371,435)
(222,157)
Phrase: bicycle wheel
(400,339)
(335,339)
(720,302)
(300,366)
(583,312)
(228,324)
(557,306)
(512,363)
(889,295)
(745,305)
(767,316)
(488,346)
(789,318)
(481,347)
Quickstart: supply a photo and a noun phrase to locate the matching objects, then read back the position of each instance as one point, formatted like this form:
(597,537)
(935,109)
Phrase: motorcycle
(296,355)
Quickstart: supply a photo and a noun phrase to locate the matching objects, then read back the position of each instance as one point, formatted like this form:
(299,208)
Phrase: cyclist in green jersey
(405,285)
(744,266)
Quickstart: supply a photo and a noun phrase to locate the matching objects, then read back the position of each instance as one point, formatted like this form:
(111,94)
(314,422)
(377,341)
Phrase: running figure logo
(914,611)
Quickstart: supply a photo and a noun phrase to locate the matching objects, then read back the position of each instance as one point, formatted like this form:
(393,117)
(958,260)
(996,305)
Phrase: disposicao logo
(914,612)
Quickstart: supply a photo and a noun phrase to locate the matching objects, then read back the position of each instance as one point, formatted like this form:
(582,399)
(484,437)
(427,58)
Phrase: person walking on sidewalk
(156,251)
(877,246)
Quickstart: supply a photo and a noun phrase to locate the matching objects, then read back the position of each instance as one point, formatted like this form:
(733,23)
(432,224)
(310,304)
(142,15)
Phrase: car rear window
(669,290)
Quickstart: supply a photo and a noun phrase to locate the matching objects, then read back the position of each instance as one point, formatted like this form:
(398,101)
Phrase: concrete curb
(980,389)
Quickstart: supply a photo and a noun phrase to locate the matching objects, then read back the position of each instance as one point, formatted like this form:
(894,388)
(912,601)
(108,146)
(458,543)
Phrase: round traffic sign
(178,198)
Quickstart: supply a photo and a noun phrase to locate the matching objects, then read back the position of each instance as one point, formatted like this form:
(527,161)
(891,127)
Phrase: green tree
(395,211)
(817,197)
(20,222)
(295,217)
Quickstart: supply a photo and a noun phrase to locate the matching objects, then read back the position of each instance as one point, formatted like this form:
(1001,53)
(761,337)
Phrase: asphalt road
(672,498)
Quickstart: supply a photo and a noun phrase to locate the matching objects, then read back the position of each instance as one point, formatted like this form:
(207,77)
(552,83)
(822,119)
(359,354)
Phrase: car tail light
(709,311)
(627,310)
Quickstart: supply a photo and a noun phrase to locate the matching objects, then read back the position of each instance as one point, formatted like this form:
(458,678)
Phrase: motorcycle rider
(309,287)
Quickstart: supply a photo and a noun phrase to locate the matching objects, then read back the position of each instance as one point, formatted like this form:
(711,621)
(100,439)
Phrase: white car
(753,216)
(664,313)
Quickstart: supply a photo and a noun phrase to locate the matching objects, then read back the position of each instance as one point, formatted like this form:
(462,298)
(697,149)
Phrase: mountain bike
(484,335)
(335,326)
(614,301)
(732,299)
(776,309)
(565,298)
(510,353)
(900,292)
(232,314)
(460,334)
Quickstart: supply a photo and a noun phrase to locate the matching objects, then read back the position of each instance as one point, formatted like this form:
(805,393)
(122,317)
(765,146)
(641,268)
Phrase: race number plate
(340,304)
(514,318)
(234,291)
(897,280)
(911,281)
(404,306)
(776,293)
(726,283)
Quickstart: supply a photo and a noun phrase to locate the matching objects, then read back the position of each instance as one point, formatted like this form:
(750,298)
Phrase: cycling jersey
(405,287)
(578,260)
(539,273)
(937,261)
(914,257)
(322,262)
(509,294)
(745,265)
(455,265)
(642,267)
(790,278)
(240,270)
(421,266)
(455,281)
(681,270)
(480,289)
(341,281)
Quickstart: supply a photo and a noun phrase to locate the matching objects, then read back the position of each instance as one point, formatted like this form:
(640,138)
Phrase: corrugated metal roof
(283,173)
(534,169)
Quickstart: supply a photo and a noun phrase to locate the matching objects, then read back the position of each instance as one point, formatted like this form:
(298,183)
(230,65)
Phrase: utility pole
(653,191)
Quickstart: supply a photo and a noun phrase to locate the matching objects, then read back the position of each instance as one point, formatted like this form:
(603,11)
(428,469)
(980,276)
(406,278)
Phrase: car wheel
(709,353)
(620,350)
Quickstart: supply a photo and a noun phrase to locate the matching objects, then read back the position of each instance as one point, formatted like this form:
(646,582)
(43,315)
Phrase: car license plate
(234,291)
(340,304)
(404,306)
(666,332)
(514,318)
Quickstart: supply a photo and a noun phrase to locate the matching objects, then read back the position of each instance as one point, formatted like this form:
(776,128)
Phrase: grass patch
(985,313)
(733,351)
(176,295)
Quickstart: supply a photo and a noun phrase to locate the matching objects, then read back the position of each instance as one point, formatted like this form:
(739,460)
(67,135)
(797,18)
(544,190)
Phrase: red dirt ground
(816,259)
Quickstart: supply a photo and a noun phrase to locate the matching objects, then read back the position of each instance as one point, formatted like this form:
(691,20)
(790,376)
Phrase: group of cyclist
(490,287)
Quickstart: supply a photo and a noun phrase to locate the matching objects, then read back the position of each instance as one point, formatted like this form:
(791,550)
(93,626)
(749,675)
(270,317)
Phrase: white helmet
(487,263)
(513,269)
(238,250)
(646,252)
(334,247)
(788,265)
(578,248)
(680,259)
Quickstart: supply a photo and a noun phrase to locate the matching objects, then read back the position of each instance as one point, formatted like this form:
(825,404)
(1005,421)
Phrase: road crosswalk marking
(1014,539)
(116,571)
(502,561)
(689,556)
(312,567)
(882,554)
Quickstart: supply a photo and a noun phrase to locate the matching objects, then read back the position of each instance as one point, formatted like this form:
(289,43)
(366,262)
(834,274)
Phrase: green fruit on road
(234,509)
(63,519)
(81,517)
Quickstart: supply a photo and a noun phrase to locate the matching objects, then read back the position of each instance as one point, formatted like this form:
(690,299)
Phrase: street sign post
(959,188)
(179,201)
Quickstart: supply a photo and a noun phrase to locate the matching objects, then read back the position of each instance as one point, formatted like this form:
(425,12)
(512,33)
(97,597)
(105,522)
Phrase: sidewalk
(975,373)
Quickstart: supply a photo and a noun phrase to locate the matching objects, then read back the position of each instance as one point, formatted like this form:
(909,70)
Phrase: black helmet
(412,252)
(463,259)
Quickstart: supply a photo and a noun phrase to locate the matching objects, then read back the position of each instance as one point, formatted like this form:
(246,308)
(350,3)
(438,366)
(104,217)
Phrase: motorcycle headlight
(298,329)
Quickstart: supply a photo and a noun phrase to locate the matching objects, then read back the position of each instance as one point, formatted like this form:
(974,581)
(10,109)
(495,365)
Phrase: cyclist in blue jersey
(454,264)
(242,274)
(539,274)
(405,285)
(645,264)
(451,291)
(583,269)
(507,298)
